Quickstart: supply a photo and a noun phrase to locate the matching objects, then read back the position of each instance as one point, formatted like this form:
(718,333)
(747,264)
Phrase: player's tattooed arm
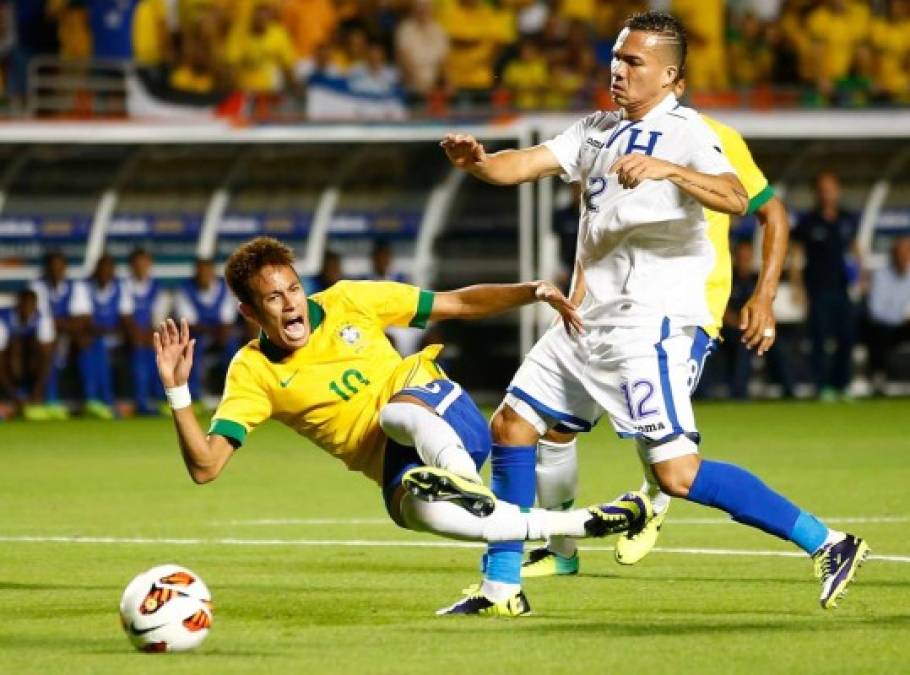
(507,167)
(723,193)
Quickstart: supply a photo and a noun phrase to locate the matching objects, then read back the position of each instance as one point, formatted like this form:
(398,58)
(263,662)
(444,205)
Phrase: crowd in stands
(85,345)
(440,54)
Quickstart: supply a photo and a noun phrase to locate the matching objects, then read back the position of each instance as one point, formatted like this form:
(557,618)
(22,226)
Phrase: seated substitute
(323,366)
(67,304)
(205,302)
(28,339)
(111,319)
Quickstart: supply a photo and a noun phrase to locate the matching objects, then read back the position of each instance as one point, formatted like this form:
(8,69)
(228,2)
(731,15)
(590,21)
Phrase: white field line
(834,520)
(383,543)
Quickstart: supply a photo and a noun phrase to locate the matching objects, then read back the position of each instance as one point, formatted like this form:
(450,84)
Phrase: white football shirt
(645,251)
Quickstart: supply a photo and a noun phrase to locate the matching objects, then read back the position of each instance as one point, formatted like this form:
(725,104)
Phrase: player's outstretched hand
(548,293)
(173,352)
(633,169)
(463,150)
(756,321)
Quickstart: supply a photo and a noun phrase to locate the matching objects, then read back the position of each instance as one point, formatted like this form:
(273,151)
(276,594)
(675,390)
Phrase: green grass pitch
(308,576)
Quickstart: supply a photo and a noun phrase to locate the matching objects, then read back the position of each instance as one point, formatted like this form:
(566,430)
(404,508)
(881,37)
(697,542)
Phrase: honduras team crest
(350,334)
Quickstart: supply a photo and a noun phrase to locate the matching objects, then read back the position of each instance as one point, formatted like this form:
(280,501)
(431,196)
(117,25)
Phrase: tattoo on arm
(742,199)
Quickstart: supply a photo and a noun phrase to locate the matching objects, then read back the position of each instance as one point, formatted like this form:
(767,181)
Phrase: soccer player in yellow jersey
(557,462)
(323,366)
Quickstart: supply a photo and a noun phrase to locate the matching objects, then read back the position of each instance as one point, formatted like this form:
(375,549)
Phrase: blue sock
(749,501)
(87,373)
(52,390)
(809,533)
(143,372)
(105,374)
(513,479)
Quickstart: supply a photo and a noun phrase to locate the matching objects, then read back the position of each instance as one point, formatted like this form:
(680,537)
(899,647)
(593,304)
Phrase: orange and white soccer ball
(166,609)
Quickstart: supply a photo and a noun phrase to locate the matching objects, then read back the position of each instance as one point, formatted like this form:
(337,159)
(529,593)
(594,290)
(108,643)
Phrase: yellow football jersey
(717,287)
(331,390)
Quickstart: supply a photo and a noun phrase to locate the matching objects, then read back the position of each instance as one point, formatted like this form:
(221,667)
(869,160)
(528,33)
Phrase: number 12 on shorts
(638,396)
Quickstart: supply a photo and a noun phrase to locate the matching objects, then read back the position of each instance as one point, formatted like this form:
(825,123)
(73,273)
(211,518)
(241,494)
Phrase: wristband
(179,397)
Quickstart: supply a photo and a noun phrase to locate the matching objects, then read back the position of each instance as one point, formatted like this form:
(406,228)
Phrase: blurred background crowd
(436,56)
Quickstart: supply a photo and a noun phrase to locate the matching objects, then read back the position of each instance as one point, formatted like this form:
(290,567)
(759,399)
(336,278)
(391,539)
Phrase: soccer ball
(166,609)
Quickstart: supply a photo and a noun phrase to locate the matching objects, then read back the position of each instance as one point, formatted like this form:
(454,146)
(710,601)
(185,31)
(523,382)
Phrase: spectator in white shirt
(889,309)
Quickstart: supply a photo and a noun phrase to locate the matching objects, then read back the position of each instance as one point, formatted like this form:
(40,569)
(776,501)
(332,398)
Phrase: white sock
(557,483)
(497,591)
(434,439)
(506,523)
(833,537)
(659,499)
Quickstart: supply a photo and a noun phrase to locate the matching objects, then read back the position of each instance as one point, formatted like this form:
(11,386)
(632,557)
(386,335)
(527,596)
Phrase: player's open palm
(173,352)
(463,150)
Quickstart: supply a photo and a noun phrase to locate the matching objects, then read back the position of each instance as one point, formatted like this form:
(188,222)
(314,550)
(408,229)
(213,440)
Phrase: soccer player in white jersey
(649,171)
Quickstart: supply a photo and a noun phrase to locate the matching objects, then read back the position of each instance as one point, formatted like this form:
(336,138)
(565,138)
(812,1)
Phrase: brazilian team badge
(350,334)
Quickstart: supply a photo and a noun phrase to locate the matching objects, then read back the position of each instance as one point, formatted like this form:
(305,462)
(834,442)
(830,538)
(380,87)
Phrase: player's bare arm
(756,319)
(507,167)
(723,193)
(476,302)
(204,456)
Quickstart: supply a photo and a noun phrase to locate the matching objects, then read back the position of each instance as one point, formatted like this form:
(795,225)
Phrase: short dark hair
(138,252)
(51,256)
(249,259)
(668,26)
(26,294)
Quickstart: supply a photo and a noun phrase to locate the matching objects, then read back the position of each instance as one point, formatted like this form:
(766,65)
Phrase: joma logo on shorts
(648,428)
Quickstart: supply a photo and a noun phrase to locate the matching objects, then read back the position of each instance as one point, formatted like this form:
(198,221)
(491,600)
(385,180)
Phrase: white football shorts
(642,377)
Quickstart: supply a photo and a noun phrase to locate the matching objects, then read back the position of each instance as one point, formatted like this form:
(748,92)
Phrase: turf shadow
(19,586)
(620,628)
(861,581)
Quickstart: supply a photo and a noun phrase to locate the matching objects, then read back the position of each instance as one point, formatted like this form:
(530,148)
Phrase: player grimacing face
(280,306)
(641,74)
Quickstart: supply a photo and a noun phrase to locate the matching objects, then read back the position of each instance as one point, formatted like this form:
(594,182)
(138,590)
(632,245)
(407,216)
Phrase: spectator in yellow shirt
(583,10)
(527,76)
(198,70)
(790,37)
(73,30)
(261,53)
(836,30)
(310,24)
(750,54)
(151,36)
(706,65)
(476,31)
(890,39)
(565,84)
(354,50)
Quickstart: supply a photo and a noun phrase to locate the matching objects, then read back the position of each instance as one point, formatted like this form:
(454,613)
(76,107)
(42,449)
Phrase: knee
(394,419)
(677,475)
(509,428)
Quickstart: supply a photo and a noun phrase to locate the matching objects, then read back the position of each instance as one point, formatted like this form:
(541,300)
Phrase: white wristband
(179,397)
